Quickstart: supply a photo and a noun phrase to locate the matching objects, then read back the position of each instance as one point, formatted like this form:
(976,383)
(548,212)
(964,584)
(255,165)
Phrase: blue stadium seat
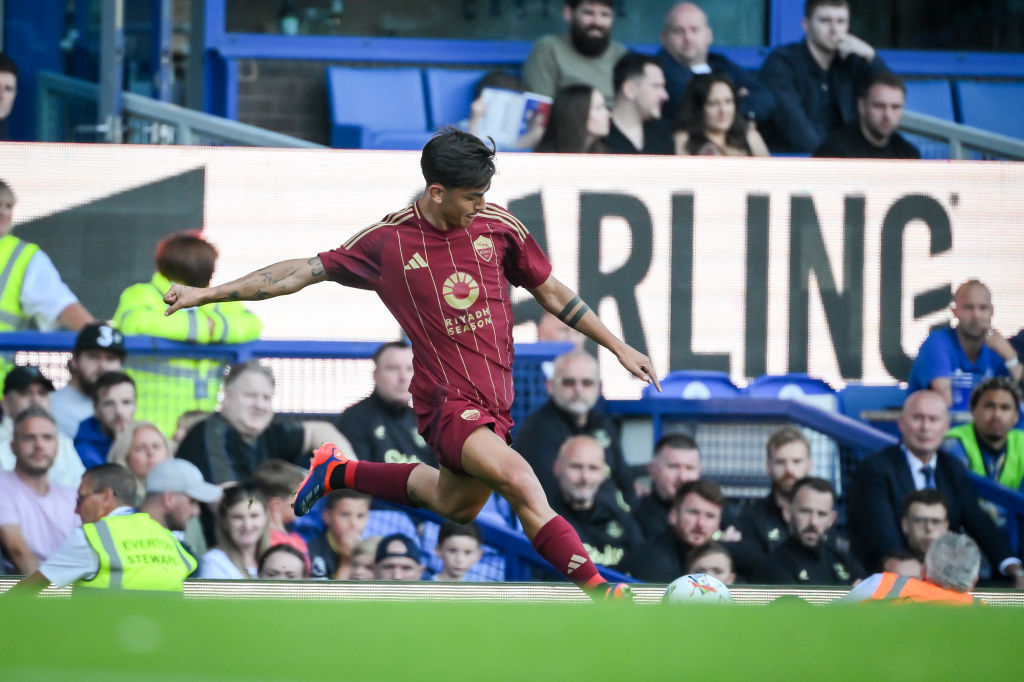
(855,399)
(991,106)
(449,94)
(377,108)
(935,98)
(694,385)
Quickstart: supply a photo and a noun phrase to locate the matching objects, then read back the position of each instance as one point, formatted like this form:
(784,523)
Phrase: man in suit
(883,481)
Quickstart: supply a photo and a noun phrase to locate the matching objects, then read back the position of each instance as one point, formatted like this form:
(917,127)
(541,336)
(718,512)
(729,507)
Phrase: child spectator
(242,536)
(283,562)
(345,516)
(713,559)
(363,558)
(459,547)
(278,480)
(708,123)
(186,421)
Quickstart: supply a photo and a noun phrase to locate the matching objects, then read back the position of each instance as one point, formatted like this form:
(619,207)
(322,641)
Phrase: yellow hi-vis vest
(15,255)
(136,553)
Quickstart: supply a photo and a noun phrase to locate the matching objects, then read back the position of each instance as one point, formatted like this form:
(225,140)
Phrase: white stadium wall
(750,266)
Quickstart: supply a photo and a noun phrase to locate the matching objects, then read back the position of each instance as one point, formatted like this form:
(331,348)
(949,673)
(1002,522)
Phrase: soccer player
(443,267)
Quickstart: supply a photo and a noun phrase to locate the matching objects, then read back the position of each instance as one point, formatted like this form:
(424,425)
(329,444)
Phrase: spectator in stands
(230,444)
(815,81)
(185,423)
(989,445)
(174,489)
(578,121)
(382,426)
(586,56)
(460,548)
(35,513)
(714,560)
(606,529)
(242,536)
(950,573)
(574,389)
(363,555)
(685,39)
(169,387)
(709,124)
(805,558)
(282,562)
(925,518)
(8,91)
(346,514)
(99,348)
(874,134)
(902,562)
(33,293)
(114,407)
(696,518)
(278,480)
(636,126)
(763,523)
(953,360)
(116,548)
(550,328)
(397,558)
(500,80)
(883,481)
(139,448)
(676,461)
(26,386)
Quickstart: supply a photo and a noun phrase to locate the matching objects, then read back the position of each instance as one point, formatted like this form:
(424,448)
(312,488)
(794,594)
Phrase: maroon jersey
(449,291)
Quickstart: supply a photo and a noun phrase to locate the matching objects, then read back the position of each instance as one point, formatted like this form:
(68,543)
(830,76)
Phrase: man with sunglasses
(574,389)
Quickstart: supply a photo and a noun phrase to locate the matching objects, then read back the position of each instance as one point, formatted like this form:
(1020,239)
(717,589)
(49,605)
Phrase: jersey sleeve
(526,264)
(356,263)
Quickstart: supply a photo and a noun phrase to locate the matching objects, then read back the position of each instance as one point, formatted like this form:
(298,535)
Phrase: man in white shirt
(99,348)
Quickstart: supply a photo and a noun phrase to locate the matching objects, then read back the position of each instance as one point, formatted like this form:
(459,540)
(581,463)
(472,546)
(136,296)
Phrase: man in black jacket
(883,481)
(874,134)
(676,461)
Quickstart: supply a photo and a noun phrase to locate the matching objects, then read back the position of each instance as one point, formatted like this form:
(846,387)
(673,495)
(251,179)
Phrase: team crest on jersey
(470,415)
(460,290)
(484,247)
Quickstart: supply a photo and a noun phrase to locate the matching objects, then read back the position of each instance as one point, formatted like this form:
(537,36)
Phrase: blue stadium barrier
(935,98)
(693,384)
(990,105)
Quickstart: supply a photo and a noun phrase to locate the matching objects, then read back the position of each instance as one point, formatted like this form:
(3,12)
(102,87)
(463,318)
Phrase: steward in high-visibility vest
(136,553)
(169,387)
(895,587)
(1008,472)
(15,255)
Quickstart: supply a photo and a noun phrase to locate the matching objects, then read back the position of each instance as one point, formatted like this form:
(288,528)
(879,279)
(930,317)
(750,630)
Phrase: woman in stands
(139,448)
(242,536)
(708,124)
(578,120)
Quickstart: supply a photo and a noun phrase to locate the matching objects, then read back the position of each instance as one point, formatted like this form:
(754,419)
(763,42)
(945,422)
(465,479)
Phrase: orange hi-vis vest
(895,587)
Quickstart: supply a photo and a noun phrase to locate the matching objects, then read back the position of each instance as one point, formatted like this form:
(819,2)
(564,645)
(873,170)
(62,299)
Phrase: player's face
(148,449)
(398,568)
(460,205)
(598,117)
(881,111)
(650,92)
(827,26)
(923,524)
(249,403)
(671,468)
(995,414)
(719,108)
(8,91)
(115,407)
(810,516)
(787,465)
(246,521)
(973,310)
(283,566)
(34,445)
(6,210)
(923,423)
(393,374)
(695,519)
(88,365)
(686,35)
(346,521)
(575,386)
(459,553)
(715,564)
(17,400)
(580,470)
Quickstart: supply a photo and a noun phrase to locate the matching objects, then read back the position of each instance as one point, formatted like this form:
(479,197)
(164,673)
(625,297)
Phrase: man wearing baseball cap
(26,386)
(174,489)
(99,348)
(398,558)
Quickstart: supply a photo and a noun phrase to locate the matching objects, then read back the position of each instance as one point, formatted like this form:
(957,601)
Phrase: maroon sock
(384,481)
(558,542)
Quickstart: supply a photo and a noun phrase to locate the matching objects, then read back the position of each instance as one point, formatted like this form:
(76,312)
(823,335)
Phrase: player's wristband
(1012,362)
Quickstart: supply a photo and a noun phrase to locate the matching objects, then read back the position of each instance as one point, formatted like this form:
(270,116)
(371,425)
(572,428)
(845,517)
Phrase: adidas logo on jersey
(417,261)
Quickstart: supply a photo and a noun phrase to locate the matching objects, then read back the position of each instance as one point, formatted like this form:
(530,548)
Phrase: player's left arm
(566,305)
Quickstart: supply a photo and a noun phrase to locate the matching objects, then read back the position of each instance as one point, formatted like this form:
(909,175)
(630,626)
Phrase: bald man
(883,481)
(953,360)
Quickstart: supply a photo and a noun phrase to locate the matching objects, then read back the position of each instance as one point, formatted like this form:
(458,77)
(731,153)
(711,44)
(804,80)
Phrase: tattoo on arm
(316,267)
(568,316)
(564,315)
(575,319)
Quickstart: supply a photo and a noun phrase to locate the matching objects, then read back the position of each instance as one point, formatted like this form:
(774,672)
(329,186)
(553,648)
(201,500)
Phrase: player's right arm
(278,279)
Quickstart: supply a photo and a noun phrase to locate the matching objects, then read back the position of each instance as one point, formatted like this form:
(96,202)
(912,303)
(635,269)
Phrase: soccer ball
(699,588)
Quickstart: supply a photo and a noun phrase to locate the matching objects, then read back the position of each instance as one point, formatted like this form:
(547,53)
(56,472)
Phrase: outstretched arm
(566,305)
(278,279)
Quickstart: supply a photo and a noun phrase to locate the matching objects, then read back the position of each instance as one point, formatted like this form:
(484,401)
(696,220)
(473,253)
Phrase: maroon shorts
(446,427)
